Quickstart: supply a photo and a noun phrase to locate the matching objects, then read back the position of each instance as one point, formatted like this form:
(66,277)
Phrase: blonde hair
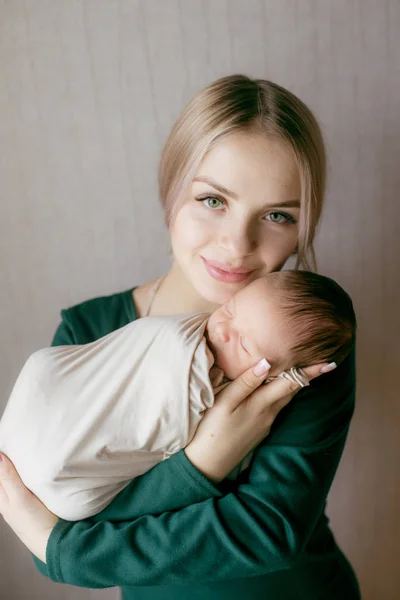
(239,104)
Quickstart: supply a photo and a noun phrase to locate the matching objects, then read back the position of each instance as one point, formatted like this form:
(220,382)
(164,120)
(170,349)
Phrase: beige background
(88,92)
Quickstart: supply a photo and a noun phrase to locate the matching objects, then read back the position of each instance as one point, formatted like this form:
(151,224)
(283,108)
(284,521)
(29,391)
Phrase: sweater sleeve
(201,533)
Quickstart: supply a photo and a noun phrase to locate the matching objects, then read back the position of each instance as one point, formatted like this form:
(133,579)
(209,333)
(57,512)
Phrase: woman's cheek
(190,229)
(275,249)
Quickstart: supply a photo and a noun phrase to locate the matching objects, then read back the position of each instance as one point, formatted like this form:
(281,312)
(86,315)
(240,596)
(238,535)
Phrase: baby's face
(246,329)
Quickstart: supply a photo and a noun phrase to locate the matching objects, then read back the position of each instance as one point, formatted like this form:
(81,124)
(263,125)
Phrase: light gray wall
(88,92)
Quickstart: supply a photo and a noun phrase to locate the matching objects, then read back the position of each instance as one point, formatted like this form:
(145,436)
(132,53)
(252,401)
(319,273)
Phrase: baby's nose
(222,331)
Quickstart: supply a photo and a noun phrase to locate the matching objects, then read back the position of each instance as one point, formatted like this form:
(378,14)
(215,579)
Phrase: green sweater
(173,535)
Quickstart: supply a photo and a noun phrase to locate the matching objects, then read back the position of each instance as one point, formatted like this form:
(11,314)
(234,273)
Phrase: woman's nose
(237,240)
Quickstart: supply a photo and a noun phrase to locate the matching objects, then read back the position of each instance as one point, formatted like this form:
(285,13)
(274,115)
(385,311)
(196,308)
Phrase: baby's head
(291,318)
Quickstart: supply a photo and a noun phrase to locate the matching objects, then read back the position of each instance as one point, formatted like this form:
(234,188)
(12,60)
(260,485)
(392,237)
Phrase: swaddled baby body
(83,421)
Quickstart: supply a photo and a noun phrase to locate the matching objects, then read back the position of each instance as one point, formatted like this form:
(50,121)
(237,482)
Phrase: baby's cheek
(236,366)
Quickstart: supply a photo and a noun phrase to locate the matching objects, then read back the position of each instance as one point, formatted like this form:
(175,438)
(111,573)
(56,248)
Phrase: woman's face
(239,218)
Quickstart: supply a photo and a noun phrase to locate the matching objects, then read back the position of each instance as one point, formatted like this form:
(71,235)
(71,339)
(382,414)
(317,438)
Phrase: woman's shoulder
(93,318)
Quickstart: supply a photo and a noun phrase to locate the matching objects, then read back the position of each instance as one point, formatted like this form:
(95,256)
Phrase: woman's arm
(262,526)
(138,498)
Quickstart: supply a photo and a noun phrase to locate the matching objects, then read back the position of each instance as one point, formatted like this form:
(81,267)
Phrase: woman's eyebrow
(216,185)
(224,190)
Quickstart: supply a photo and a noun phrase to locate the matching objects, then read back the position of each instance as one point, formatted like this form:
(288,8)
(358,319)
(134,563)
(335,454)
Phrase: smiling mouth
(227,268)
(226,276)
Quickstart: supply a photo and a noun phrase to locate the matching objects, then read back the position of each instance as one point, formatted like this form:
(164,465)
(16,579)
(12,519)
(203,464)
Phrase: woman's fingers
(10,482)
(29,518)
(279,392)
(234,393)
(317,370)
(274,396)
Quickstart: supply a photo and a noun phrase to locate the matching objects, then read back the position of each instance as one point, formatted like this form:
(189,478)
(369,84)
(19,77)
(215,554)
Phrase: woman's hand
(30,520)
(240,418)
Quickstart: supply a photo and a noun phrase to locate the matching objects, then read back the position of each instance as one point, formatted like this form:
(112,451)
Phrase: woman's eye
(279,217)
(212,202)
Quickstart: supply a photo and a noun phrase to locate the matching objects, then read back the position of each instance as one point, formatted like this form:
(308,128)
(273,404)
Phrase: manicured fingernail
(328,368)
(261,368)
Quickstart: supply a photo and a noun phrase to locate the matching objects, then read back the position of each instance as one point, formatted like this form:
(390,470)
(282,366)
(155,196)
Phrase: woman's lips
(232,275)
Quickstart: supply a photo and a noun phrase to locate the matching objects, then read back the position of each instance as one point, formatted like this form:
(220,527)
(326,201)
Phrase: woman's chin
(217,292)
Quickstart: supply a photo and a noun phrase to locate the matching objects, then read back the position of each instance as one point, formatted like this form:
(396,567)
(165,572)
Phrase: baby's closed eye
(243,344)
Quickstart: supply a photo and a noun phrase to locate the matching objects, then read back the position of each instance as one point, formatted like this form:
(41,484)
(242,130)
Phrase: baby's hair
(319,315)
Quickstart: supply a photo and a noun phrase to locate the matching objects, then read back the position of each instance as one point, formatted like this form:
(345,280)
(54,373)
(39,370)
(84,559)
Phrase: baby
(83,421)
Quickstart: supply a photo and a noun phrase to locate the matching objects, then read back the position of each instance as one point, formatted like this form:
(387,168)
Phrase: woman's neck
(176,295)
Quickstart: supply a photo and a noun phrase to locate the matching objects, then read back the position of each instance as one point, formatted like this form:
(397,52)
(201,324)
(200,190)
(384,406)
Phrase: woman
(242,179)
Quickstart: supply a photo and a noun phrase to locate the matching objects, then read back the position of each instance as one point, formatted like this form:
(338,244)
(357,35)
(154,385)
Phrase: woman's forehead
(242,163)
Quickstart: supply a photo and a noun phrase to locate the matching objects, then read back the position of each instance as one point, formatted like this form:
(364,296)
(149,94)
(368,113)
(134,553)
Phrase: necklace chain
(153,293)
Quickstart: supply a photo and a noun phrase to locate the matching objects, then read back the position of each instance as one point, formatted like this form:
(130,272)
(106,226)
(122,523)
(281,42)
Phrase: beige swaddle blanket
(82,421)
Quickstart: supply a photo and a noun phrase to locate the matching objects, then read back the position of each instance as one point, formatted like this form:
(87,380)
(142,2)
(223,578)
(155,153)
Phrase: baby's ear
(274,371)
(278,368)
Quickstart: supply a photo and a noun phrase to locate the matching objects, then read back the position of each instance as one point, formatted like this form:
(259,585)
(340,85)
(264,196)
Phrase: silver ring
(296,376)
